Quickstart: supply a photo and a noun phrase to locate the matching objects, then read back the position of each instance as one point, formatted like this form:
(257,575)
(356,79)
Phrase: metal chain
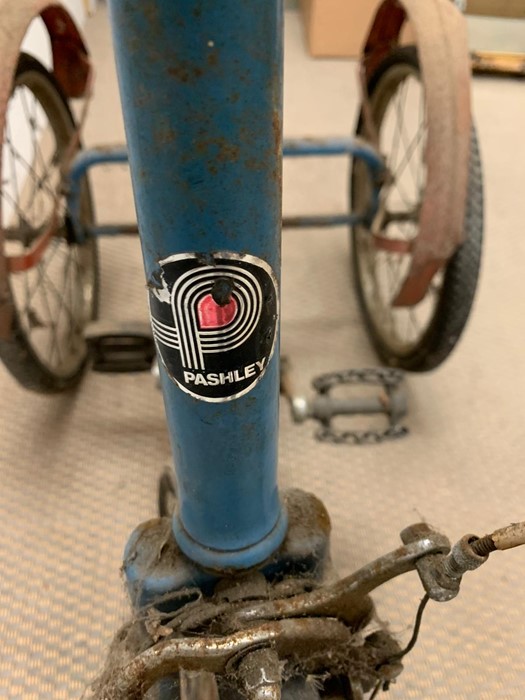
(383,376)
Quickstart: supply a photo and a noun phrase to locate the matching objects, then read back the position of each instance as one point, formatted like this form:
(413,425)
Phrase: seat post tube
(201,90)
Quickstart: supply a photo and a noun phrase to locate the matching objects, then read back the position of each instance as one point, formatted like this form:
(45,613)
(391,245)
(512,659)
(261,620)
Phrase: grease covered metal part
(260,675)
(305,632)
(287,637)
(155,566)
(441,574)
(346,598)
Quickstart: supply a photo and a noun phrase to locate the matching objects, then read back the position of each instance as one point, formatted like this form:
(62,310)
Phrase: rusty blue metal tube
(292,148)
(201,89)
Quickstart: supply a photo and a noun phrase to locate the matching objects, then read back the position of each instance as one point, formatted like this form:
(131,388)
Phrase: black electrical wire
(411,644)
(415,633)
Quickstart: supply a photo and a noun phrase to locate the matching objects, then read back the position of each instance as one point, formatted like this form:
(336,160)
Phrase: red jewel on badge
(211,315)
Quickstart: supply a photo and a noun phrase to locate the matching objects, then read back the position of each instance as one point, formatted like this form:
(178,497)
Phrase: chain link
(386,377)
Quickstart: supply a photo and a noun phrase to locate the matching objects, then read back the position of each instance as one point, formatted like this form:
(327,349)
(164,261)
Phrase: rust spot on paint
(255,164)
(277,145)
(228,153)
(164,135)
(151,12)
(276,128)
(221,150)
(184,72)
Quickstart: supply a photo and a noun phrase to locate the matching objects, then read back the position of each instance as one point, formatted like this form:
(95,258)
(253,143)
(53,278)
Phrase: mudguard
(441,39)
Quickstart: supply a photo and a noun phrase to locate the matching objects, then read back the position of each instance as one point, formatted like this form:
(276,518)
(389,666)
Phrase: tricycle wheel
(52,280)
(418,337)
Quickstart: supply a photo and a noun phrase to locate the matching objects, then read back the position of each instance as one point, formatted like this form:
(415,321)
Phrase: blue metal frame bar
(304,221)
(83,162)
(300,221)
(292,148)
(201,88)
(323,220)
(355,147)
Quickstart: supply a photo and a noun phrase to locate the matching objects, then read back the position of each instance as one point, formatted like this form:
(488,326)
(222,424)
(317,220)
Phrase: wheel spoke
(14,203)
(396,140)
(400,190)
(32,123)
(70,309)
(399,137)
(37,181)
(44,266)
(41,181)
(391,276)
(14,176)
(53,342)
(50,285)
(414,143)
(400,110)
(422,162)
(62,299)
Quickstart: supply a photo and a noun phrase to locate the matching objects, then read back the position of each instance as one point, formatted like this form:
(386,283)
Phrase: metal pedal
(120,348)
(324,407)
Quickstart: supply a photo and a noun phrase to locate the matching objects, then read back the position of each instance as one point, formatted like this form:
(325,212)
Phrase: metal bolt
(260,674)
(463,558)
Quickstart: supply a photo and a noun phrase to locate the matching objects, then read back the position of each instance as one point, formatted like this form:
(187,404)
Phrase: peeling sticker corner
(159,287)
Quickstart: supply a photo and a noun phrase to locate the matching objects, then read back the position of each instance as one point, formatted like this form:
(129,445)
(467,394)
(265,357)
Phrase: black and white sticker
(214,321)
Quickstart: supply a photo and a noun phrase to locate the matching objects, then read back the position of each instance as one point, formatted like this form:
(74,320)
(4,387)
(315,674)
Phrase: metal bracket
(441,572)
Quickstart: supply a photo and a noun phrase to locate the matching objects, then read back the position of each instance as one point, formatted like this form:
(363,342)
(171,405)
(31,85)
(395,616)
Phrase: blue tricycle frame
(203,117)
(201,89)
